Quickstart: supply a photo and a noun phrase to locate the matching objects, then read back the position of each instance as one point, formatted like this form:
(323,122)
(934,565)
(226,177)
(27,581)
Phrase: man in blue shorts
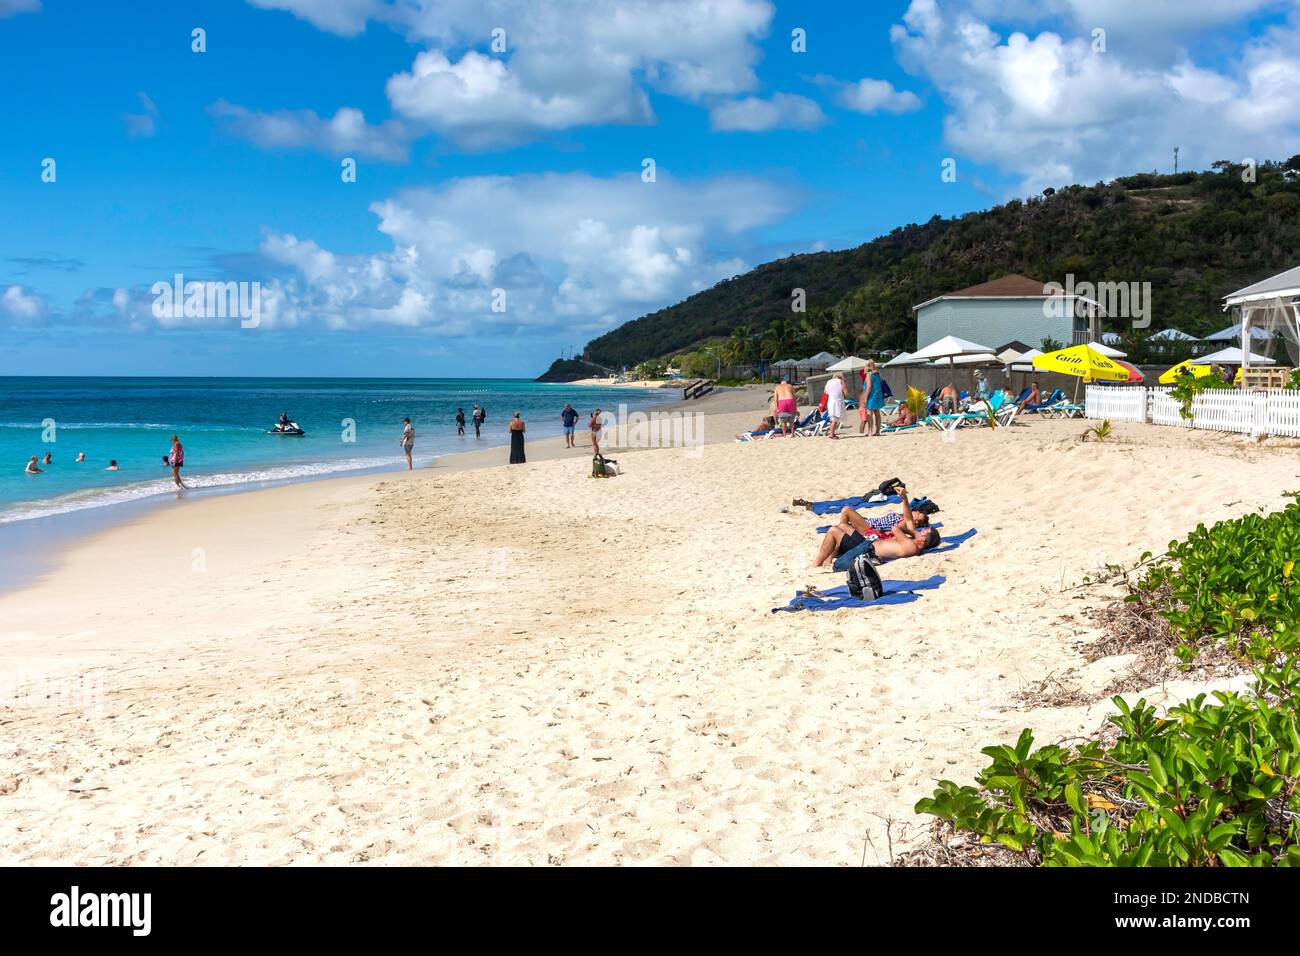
(569,418)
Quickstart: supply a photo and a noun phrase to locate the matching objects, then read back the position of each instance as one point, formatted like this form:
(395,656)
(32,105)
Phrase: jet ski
(289,429)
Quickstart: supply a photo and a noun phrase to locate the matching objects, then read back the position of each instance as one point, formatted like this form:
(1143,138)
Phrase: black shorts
(849,542)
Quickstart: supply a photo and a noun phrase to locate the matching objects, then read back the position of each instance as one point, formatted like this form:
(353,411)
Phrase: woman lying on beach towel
(907,537)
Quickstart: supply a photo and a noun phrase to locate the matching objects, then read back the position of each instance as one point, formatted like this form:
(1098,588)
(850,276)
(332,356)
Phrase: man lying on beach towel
(906,538)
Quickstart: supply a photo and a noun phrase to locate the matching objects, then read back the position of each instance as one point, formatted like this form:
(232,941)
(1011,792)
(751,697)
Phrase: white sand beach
(484,664)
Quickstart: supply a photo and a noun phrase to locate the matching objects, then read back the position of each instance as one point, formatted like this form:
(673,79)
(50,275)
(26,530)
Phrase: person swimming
(34,466)
(112,465)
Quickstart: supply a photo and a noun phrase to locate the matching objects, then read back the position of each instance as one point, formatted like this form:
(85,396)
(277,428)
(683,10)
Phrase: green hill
(1194,236)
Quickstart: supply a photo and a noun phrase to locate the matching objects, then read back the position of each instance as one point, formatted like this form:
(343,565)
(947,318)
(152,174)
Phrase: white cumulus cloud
(877,96)
(345,133)
(22,305)
(568,250)
(1051,108)
(565,63)
(753,114)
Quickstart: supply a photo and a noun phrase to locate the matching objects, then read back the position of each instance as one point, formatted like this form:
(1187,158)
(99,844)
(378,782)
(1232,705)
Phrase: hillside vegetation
(1194,236)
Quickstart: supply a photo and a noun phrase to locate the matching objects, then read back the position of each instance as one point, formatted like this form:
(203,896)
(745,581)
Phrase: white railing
(1273,411)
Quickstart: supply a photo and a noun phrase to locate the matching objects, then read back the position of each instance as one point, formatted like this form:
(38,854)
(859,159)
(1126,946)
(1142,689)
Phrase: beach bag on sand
(886,487)
(602,467)
(864,579)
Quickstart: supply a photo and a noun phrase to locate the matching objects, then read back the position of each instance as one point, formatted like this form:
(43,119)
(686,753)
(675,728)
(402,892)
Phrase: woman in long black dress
(517,440)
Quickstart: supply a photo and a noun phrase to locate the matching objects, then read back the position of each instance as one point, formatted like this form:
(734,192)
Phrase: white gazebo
(1272,306)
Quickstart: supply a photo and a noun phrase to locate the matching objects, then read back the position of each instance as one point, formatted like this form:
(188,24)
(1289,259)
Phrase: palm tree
(738,349)
(778,340)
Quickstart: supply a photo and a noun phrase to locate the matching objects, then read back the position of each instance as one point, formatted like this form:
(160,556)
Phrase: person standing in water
(460,421)
(408,441)
(517,440)
(569,419)
(477,416)
(177,461)
(34,466)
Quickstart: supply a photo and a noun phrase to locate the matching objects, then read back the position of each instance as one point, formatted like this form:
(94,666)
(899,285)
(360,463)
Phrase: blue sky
(520,169)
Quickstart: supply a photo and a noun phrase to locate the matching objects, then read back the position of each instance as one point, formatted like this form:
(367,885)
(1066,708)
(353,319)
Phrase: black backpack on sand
(864,579)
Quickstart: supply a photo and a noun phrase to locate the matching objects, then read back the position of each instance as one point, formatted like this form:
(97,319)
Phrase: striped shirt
(885,524)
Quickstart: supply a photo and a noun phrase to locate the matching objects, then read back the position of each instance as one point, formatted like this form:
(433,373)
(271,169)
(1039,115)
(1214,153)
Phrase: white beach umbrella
(903,359)
(1025,363)
(1233,356)
(850,364)
(951,348)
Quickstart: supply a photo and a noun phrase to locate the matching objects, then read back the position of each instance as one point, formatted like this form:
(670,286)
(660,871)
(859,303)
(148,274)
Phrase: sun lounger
(839,598)
(1056,397)
(820,427)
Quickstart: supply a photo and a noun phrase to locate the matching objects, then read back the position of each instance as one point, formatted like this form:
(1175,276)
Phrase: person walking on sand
(787,409)
(477,416)
(872,400)
(34,466)
(407,441)
(460,421)
(177,461)
(835,402)
(517,440)
(569,419)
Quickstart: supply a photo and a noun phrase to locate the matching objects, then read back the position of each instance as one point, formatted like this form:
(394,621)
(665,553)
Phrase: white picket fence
(1274,411)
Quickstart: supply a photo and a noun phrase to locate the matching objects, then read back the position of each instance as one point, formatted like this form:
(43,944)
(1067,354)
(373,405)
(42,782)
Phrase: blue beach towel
(834,507)
(896,592)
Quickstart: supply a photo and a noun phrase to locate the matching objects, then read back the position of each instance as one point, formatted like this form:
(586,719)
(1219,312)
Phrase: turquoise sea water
(222,424)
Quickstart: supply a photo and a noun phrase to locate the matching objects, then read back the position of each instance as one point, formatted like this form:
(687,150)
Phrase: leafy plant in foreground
(1234,582)
(1208,785)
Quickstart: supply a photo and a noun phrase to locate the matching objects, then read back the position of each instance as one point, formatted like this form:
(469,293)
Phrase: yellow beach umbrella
(1189,367)
(1082,361)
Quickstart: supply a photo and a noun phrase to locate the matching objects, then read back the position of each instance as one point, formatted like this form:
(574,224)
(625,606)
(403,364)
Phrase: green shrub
(1235,582)
(1188,387)
(1207,785)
